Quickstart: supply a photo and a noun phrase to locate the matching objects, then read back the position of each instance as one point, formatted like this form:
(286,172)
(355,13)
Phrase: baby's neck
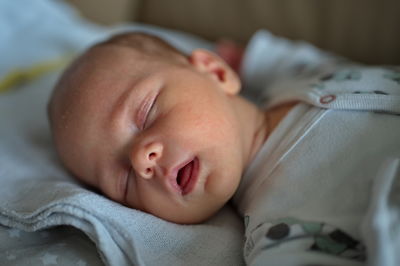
(253,126)
(279,112)
(258,124)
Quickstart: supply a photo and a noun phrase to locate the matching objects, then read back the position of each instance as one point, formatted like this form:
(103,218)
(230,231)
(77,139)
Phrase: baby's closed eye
(144,111)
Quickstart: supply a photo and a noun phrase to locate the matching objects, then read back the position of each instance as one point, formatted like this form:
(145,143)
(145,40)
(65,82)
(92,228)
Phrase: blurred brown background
(364,30)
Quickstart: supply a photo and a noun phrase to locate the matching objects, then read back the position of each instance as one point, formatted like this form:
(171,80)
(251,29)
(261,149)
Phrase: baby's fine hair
(144,43)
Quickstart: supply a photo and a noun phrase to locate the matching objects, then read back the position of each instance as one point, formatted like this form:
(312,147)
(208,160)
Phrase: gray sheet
(62,245)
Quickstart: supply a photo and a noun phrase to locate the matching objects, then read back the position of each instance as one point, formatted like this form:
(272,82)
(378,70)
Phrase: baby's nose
(144,160)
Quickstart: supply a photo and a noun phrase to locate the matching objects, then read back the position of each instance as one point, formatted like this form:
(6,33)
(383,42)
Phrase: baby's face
(152,135)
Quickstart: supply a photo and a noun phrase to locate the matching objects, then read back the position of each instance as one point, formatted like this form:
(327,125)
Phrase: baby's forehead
(103,68)
(110,54)
(99,63)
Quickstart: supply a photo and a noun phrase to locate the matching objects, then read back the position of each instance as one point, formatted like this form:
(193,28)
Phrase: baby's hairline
(136,40)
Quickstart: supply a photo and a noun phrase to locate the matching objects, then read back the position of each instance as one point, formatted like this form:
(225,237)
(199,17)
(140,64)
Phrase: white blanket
(35,190)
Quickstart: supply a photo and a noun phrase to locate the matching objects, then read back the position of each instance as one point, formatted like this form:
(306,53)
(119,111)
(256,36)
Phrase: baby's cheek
(217,127)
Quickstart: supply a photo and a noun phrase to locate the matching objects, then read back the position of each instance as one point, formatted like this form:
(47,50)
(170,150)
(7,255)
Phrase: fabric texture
(307,195)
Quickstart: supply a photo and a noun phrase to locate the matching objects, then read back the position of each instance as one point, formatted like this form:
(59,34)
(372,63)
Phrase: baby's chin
(194,216)
(185,220)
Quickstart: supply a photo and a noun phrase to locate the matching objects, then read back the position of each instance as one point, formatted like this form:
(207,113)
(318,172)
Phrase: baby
(169,134)
(155,129)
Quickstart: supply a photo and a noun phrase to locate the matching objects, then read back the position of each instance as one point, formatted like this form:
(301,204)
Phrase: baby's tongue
(184,175)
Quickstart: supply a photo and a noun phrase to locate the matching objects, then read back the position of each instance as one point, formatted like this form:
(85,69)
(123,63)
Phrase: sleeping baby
(169,134)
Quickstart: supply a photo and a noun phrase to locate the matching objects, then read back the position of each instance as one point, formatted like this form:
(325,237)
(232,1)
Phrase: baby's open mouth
(187,176)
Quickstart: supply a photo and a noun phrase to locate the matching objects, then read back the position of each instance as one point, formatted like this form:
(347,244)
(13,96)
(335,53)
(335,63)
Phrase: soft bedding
(46,217)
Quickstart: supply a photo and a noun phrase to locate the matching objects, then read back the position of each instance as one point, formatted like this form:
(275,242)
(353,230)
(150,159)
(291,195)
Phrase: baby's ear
(212,64)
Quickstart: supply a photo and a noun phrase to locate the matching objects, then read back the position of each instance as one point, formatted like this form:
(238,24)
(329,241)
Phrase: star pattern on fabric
(44,234)
(49,259)
(81,263)
(11,257)
(61,245)
(14,233)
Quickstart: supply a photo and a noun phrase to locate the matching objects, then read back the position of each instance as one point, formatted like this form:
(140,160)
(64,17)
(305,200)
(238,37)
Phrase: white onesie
(318,190)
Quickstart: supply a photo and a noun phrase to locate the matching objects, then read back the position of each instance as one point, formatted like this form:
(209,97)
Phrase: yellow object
(20,76)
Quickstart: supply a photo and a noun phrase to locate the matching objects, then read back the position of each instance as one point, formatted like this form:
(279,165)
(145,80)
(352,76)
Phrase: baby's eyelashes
(151,113)
(144,111)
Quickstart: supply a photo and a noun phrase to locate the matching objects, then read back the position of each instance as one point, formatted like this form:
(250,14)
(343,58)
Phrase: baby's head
(150,127)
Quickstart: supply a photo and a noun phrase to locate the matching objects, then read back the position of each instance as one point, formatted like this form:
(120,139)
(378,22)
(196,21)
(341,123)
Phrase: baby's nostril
(152,155)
